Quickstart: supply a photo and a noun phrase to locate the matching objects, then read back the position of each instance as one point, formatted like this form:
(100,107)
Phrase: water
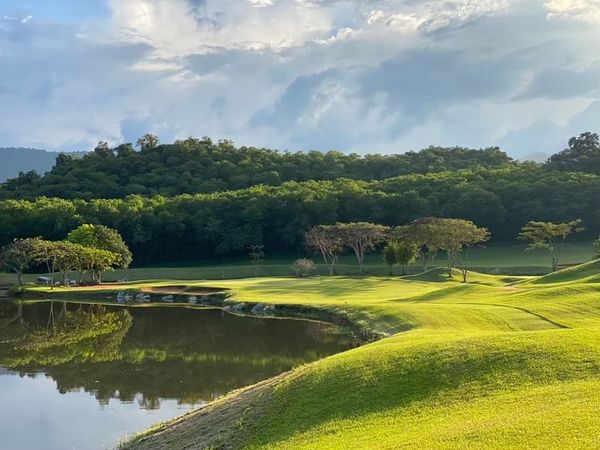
(82,376)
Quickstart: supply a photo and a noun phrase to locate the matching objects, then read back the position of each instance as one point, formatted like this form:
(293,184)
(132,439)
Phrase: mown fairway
(497,363)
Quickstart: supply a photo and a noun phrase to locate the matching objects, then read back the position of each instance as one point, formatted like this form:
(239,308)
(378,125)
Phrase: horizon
(364,77)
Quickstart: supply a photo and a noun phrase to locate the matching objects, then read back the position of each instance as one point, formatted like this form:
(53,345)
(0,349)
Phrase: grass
(500,362)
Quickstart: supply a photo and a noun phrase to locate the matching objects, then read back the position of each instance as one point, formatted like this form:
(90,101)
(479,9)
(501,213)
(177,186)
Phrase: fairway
(500,362)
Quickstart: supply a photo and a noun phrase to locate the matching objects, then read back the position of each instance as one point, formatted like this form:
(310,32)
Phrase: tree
(389,255)
(406,253)
(67,258)
(399,253)
(48,253)
(597,248)
(361,237)
(257,256)
(147,142)
(582,155)
(458,235)
(103,150)
(103,238)
(326,240)
(549,236)
(425,234)
(19,255)
(304,267)
(97,261)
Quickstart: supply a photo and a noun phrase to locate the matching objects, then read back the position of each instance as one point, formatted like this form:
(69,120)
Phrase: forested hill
(201,166)
(188,227)
(15,160)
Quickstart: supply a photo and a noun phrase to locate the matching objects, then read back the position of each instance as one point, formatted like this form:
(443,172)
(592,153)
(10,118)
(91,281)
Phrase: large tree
(456,237)
(549,236)
(426,234)
(582,155)
(361,237)
(147,142)
(103,238)
(19,255)
(326,240)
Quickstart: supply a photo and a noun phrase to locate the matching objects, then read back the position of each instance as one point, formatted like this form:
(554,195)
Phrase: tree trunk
(360,258)
(554,263)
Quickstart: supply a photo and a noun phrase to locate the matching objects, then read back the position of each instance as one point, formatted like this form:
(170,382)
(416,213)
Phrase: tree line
(192,227)
(91,249)
(194,166)
(423,238)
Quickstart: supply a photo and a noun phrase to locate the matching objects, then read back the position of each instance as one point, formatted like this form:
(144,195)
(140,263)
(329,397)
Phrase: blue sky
(365,76)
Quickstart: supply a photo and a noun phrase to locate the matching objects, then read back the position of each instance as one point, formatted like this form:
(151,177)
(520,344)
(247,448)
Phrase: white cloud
(370,75)
(580,10)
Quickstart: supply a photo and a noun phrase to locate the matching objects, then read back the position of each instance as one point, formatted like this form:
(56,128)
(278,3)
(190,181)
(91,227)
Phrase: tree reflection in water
(147,354)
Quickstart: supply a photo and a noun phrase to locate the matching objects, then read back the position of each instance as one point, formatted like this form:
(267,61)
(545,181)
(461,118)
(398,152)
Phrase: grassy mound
(589,272)
(488,364)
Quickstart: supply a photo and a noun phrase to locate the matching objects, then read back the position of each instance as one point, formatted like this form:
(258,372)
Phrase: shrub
(304,267)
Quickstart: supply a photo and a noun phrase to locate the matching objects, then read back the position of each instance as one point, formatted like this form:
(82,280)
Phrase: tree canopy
(193,166)
(549,236)
(582,155)
(187,227)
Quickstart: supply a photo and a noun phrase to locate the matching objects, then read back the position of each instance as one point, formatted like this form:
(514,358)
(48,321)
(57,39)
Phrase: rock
(121,300)
(227,308)
(120,294)
(128,297)
(258,309)
(193,300)
(168,298)
(238,307)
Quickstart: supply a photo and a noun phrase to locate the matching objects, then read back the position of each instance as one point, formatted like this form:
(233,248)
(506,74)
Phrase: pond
(83,376)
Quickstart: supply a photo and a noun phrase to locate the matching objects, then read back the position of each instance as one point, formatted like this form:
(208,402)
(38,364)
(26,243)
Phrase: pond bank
(221,299)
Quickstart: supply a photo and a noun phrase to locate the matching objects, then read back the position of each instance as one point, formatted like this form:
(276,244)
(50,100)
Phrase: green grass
(500,362)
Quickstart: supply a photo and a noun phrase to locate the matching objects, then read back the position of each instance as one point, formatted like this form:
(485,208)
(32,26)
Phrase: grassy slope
(488,364)
(497,363)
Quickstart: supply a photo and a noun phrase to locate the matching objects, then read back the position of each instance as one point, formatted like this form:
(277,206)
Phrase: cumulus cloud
(369,75)
(580,10)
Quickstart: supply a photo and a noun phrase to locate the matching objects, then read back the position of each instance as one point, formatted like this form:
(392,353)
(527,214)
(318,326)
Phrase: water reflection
(144,355)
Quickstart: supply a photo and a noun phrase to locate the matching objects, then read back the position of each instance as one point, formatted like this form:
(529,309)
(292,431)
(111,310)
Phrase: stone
(238,307)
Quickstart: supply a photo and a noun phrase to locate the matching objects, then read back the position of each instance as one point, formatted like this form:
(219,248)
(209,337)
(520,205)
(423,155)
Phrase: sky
(364,76)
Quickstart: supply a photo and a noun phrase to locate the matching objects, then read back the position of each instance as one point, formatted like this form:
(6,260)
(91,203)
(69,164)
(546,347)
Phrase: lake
(83,376)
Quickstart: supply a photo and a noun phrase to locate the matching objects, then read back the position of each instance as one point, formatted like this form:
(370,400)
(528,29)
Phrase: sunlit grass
(500,362)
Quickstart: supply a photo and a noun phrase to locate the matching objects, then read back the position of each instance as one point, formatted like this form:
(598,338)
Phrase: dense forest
(195,166)
(188,227)
(195,199)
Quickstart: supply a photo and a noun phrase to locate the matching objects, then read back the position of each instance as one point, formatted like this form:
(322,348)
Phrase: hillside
(200,226)
(201,166)
(486,365)
(15,160)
